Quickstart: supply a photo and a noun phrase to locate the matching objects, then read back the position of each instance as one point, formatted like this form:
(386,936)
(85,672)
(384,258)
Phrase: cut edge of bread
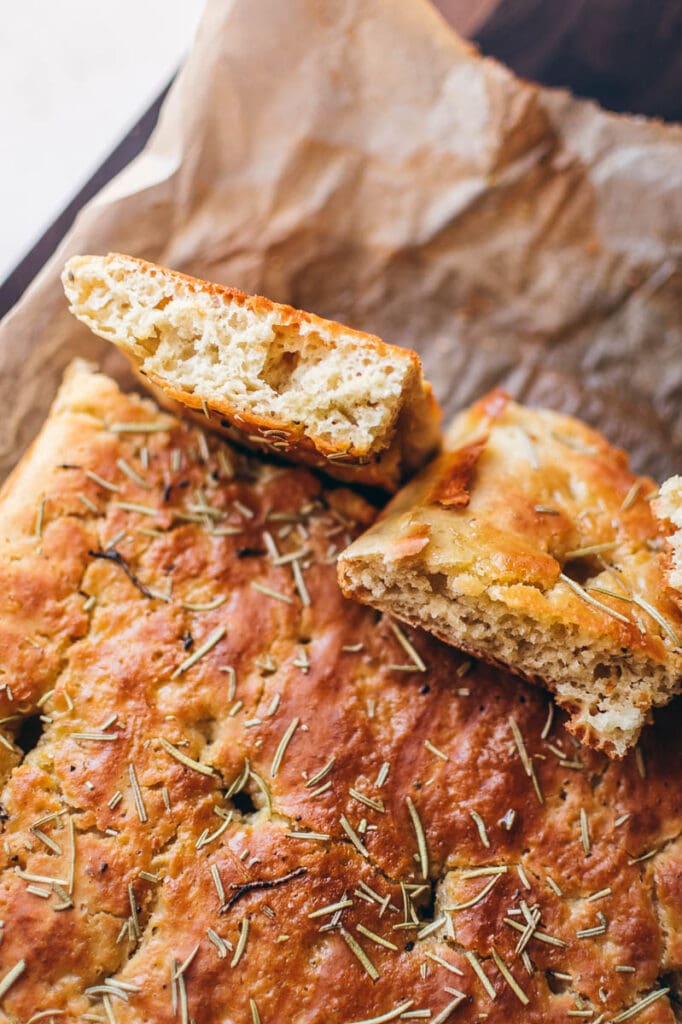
(667,506)
(264,372)
(561,659)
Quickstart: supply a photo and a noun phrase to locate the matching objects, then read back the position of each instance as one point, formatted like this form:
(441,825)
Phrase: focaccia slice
(530,543)
(264,374)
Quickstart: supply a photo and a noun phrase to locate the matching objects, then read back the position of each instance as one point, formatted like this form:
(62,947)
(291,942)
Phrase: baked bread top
(261,373)
(529,542)
(254,801)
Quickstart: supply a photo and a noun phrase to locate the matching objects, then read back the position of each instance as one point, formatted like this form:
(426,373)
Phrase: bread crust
(522,516)
(296,713)
(409,437)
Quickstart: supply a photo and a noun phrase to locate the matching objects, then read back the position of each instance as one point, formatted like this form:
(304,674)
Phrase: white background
(74,77)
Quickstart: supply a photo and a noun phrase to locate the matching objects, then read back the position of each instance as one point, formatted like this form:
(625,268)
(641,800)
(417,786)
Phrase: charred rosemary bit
(240,890)
(112,555)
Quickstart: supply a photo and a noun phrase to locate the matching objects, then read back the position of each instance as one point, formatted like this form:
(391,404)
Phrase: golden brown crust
(534,518)
(396,453)
(381,716)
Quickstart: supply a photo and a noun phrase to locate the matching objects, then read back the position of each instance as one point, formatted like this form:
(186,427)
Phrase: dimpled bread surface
(252,800)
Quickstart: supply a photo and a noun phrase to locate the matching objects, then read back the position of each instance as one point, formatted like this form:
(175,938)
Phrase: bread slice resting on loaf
(264,374)
(238,797)
(530,543)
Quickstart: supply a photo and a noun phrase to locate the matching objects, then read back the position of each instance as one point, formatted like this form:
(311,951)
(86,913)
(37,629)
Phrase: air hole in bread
(29,733)
(580,570)
(557,985)
(673,981)
(244,802)
(279,366)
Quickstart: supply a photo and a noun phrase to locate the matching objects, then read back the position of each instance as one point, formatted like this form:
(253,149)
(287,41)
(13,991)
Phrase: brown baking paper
(359,160)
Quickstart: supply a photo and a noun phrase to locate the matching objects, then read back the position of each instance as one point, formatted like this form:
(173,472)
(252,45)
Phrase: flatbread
(253,800)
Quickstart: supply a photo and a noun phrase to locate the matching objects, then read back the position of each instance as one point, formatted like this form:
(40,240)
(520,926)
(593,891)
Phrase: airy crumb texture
(246,799)
(668,507)
(264,374)
(530,543)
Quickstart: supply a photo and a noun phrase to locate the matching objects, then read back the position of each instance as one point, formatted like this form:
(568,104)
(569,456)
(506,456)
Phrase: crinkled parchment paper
(360,161)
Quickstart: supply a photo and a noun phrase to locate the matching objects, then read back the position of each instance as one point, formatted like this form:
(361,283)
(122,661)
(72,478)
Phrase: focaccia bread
(668,507)
(254,801)
(529,543)
(263,374)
